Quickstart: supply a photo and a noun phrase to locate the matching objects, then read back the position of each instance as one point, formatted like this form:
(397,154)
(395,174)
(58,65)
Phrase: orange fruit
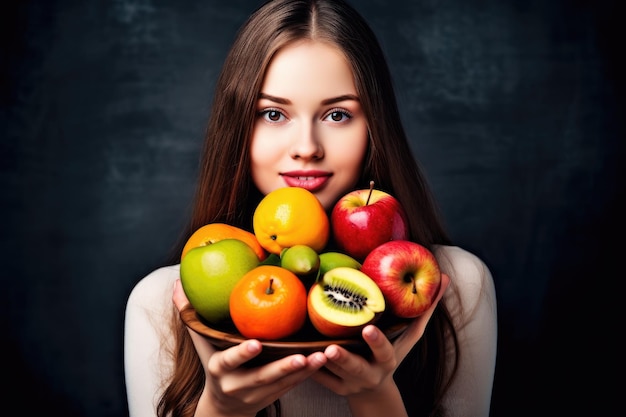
(268,303)
(290,216)
(214,232)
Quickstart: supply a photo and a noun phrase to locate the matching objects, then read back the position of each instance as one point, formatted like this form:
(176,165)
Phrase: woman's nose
(306,144)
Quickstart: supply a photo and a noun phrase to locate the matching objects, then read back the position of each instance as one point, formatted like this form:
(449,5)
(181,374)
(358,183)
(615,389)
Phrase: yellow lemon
(290,216)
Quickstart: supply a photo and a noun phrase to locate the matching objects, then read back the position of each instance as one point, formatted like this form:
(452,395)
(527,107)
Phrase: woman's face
(310,129)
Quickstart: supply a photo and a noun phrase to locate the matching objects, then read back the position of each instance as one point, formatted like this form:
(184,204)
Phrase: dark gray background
(514,108)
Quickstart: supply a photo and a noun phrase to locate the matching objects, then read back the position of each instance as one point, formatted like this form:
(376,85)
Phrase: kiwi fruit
(342,301)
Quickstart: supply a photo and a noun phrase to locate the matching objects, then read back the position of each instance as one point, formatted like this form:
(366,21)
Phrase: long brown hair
(225,192)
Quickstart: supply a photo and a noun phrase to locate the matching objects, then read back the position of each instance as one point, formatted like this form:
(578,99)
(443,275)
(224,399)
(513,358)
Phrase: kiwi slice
(343,301)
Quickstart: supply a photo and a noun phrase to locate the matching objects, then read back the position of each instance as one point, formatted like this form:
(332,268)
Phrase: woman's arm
(147,318)
(474,312)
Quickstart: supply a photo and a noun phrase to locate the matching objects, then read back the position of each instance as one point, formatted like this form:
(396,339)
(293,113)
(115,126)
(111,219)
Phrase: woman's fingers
(178,297)
(342,363)
(350,372)
(234,357)
(264,384)
(382,349)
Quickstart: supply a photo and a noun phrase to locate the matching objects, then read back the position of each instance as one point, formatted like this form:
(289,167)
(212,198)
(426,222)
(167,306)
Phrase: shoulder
(148,340)
(460,259)
(154,292)
(464,268)
(155,282)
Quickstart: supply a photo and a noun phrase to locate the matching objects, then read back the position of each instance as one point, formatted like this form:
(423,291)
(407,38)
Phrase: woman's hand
(234,390)
(368,384)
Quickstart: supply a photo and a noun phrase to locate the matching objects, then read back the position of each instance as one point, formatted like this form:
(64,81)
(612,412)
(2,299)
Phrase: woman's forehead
(310,67)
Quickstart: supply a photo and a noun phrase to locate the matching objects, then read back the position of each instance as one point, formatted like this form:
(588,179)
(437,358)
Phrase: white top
(149,313)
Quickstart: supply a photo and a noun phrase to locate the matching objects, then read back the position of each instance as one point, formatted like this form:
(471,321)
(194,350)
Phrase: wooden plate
(307,341)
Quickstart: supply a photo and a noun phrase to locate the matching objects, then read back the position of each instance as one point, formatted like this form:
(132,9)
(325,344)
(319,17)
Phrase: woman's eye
(272,115)
(338,116)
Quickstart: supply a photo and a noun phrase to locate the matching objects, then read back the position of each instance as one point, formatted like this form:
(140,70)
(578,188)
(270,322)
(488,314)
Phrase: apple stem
(269,289)
(414,287)
(370,194)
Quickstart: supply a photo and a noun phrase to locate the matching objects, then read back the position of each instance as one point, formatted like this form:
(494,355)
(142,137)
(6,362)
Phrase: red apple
(364,219)
(407,274)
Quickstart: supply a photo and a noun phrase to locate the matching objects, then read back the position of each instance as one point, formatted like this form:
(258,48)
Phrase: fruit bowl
(306,341)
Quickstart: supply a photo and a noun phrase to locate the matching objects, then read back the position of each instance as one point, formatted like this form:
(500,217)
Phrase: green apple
(209,273)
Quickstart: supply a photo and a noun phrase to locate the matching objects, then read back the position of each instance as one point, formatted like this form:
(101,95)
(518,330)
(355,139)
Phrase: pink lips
(309,180)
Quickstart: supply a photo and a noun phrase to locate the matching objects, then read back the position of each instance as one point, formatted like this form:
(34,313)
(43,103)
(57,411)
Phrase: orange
(268,303)
(290,216)
(214,232)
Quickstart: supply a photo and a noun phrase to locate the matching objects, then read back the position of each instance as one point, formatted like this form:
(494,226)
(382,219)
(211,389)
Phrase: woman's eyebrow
(337,99)
(325,102)
(275,99)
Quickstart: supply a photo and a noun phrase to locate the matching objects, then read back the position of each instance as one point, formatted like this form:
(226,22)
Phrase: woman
(305,98)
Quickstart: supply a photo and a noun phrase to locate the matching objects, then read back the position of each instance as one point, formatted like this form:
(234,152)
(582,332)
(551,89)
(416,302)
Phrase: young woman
(305,99)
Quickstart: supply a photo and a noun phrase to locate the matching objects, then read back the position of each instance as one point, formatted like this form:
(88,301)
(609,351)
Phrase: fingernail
(254,347)
(297,362)
(370,332)
(332,352)
(318,358)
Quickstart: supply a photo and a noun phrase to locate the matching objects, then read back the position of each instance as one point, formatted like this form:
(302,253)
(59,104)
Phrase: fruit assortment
(274,282)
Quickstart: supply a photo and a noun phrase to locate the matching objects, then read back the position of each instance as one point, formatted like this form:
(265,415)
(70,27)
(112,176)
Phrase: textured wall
(513,108)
